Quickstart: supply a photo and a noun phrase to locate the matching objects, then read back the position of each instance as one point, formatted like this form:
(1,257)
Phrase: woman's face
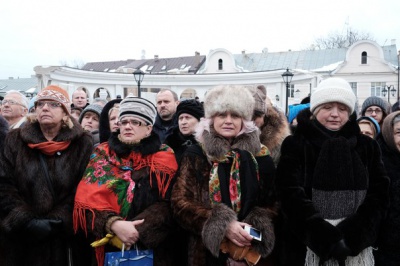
(375,112)
(133,129)
(396,134)
(187,124)
(49,113)
(366,129)
(333,115)
(228,125)
(113,120)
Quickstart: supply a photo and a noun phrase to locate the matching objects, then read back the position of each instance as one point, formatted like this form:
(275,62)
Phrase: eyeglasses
(133,123)
(376,111)
(12,102)
(50,104)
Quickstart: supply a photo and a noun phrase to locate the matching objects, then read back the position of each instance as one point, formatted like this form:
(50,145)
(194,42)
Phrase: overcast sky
(53,32)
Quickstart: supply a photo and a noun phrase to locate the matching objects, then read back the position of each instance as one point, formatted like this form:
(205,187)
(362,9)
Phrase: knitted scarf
(50,147)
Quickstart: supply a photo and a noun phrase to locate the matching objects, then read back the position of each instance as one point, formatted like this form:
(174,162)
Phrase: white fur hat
(229,98)
(333,90)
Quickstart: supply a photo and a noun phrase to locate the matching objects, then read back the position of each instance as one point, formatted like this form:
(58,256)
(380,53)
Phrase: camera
(255,233)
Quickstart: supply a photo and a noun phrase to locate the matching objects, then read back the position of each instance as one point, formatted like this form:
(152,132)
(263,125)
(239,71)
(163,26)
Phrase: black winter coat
(297,177)
(388,253)
(25,195)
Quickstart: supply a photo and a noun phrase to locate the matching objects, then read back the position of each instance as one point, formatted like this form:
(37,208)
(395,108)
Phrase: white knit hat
(229,98)
(333,90)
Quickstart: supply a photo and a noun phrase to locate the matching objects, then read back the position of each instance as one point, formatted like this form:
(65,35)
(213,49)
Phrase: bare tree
(336,40)
(75,63)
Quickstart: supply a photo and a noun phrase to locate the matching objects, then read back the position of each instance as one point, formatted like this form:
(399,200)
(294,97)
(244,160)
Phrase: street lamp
(138,75)
(389,91)
(287,78)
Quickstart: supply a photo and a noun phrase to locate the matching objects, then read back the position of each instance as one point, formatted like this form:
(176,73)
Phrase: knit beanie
(333,90)
(191,107)
(94,108)
(372,121)
(138,107)
(294,110)
(55,93)
(375,101)
(259,98)
(229,98)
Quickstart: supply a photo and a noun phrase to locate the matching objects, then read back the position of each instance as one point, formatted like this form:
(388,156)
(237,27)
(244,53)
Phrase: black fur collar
(146,146)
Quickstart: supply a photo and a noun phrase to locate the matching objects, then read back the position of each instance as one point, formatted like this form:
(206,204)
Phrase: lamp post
(138,75)
(287,78)
(390,90)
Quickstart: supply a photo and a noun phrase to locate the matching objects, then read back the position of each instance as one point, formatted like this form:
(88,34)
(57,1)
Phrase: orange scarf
(50,147)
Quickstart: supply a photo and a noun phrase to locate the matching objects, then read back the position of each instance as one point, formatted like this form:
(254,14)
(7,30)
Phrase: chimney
(393,41)
(243,52)
(196,53)
(156,57)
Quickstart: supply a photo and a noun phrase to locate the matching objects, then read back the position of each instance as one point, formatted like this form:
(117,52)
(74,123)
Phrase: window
(291,90)
(220,64)
(376,88)
(364,58)
(354,87)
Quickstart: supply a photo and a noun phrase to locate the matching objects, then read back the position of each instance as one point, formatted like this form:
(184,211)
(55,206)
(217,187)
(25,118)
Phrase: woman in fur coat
(225,183)
(43,164)
(126,187)
(388,252)
(333,185)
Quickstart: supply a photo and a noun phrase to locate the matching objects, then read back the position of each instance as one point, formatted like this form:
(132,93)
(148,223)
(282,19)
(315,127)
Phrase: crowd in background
(187,178)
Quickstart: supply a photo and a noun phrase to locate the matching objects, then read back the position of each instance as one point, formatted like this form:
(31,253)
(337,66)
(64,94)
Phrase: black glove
(340,251)
(39,229)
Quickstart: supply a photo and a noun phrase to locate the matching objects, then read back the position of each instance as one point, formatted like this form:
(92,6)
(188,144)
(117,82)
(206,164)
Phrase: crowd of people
(230,180)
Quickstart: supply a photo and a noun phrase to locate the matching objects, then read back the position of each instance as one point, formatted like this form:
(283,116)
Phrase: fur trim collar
(146,146)
(31,132)
(216,146)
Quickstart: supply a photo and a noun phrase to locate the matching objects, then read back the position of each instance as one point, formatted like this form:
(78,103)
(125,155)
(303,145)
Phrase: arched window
(364,58)
(220,64)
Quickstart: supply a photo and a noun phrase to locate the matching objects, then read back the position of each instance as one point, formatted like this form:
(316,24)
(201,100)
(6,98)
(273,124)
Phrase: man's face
(12,108)
(166,105)
(79,99)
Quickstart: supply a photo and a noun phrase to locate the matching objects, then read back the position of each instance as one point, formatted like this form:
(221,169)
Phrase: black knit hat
(374,101)
(191,107)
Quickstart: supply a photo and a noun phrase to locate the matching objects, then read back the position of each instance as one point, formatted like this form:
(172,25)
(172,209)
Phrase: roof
(306,60)
(20,84)
(190,64)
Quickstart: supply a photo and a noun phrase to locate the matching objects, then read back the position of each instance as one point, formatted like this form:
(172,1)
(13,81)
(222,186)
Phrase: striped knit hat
(138,107)
(55,93)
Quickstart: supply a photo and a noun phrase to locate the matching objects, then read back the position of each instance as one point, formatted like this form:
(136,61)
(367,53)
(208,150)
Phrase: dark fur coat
(206,225)
(25,195)
(304,226)
(274,131)
(3,131)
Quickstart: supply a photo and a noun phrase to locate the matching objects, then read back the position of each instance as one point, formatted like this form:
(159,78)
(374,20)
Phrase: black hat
(191,107)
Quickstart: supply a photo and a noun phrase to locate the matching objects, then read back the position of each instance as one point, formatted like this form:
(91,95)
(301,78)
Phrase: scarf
(107,184)
(234,178)
(50,147)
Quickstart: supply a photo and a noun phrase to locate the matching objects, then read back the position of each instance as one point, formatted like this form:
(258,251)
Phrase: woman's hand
(126,231)
(237,234)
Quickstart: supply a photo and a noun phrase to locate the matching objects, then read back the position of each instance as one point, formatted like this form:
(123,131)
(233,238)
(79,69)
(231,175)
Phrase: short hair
(25,101)
(173,93)
(78,89)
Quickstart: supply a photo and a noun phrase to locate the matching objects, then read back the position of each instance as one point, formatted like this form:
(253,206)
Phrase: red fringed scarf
(107,183)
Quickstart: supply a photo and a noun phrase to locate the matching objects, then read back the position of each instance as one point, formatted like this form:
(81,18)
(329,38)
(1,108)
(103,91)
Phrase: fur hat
(138,107)
(229,98)
(55,93)
(191,107)
(94,108)
(375,101)
(333,90)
